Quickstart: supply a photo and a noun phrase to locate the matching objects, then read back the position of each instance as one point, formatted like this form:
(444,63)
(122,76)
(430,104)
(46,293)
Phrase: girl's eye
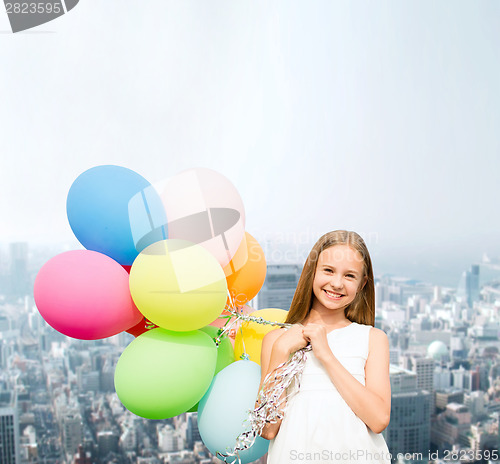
(351,276)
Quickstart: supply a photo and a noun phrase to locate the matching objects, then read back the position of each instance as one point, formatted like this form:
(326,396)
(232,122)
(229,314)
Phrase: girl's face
(339,275)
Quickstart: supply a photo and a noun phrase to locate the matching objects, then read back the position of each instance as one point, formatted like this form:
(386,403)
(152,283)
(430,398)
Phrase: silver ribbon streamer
(278,388)
(246,318)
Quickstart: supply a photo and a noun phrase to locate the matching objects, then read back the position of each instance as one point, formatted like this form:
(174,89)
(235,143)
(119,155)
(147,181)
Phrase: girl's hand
(316,334)
(277,346)
(291,340)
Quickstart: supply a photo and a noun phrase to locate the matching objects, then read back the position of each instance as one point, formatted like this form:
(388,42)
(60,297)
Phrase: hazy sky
(381,117)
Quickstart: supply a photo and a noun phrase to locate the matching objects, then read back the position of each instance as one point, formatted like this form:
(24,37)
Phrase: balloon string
(224,331)
(244,355)
(246,318)
(229,324)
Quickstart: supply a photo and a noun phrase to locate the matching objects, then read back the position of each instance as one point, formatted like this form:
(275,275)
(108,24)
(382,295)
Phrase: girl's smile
(333,296)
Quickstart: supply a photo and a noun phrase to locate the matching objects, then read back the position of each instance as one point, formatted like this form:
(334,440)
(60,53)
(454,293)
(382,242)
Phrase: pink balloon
(84,294)
(204,207)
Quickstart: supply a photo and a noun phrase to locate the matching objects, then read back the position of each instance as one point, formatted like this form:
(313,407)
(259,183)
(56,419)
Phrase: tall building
(9,429)
(468,288)
(461,378)
(424,368)
(107,377)
(409,429)
(169,439)
(107,442)
(442,378)
(72,432)
(4,324)
(476,402)
(4,348)
(87,379)
(452,426)
(279,286)
(458,347)
(128,438)
(479,378)
(192,432)
(19,276)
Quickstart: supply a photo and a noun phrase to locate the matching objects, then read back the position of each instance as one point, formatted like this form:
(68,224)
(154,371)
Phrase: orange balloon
(246,272)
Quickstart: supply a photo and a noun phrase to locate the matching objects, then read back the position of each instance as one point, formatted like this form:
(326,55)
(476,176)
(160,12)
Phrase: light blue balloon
(224,408)
(115,211)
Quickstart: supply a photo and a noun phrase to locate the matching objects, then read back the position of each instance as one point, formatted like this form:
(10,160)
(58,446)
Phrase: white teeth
(333,294)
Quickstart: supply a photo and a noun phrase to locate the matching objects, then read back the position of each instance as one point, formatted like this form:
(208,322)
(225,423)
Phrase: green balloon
(225,353)
(162,374)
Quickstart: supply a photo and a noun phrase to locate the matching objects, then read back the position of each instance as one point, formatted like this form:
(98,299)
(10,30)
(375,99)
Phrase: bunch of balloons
(168,263)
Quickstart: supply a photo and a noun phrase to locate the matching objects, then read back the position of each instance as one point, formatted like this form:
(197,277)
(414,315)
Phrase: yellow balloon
(178,285)
(249,337)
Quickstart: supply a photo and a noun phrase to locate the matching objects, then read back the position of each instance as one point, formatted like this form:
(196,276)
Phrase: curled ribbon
(278,388)
(246,318)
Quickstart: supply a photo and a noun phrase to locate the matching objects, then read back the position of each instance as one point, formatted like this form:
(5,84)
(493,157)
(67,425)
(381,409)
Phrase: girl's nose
(336,281)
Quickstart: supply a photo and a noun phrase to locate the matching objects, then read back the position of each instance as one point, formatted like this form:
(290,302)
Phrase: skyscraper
(424,368)
(468,288)
(19,277)
(9,429)
(279,286)
(409,429)
(72,432)
(192,432)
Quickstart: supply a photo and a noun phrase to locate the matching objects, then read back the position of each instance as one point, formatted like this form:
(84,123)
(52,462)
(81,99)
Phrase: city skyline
(444,373)
(446,272)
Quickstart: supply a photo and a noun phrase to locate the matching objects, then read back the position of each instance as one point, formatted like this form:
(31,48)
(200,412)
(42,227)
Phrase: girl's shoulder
(272,335)
(370,328)
(378,338)
(375,334)
(378,332)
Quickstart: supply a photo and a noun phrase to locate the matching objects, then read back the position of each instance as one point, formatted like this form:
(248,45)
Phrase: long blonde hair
(362,308)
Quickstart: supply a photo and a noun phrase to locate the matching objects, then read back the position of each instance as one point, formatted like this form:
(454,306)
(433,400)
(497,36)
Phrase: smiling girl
(344,400)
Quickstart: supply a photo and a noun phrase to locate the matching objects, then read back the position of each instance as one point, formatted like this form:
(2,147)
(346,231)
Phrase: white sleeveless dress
(319,426)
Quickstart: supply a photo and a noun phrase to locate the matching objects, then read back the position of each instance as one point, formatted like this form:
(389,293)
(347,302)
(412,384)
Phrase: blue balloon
(115,211)
(224,408)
